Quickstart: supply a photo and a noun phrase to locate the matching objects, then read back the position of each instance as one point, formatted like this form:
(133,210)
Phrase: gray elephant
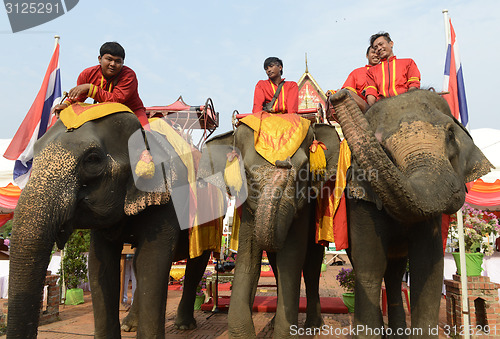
(419,158)
(278,217)
(82,178)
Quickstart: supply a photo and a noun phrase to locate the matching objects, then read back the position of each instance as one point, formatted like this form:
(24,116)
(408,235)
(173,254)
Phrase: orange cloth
(445,225)
(10,191)
(331,220)
(9,195)
(5,217)
(277,136)
(79,113)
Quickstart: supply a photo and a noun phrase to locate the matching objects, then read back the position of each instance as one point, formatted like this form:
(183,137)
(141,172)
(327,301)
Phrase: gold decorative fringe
(145,167)
(317,159)
(232,172)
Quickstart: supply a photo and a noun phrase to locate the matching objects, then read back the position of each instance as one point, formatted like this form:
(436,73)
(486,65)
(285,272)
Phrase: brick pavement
(77,321)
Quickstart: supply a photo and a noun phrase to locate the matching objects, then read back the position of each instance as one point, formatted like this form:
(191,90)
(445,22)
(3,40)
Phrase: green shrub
(75,262)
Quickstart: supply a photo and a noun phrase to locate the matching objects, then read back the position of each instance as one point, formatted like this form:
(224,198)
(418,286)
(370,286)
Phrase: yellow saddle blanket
(79,113)
(277,136)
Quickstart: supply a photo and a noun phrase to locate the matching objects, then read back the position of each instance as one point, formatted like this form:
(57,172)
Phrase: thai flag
(454,80)
(35,124)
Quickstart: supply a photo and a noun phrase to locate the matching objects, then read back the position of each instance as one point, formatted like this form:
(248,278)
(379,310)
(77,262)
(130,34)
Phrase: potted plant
(74,266)
(480,231)
(346,279)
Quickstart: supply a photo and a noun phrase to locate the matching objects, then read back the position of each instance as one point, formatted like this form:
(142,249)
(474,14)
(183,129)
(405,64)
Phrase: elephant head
(422,155)
(274,193)
(81,178)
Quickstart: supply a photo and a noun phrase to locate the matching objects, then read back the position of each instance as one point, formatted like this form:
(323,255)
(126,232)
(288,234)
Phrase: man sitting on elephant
(392,76)
(275,95)
(110,81)
(356,80)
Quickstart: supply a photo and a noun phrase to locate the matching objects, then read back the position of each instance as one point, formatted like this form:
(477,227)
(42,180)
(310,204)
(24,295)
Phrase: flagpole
(446,27)
(460,226)
(56,37)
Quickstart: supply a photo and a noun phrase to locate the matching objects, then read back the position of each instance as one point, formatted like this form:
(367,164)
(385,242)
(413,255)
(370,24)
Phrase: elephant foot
(185,325)
(129,323)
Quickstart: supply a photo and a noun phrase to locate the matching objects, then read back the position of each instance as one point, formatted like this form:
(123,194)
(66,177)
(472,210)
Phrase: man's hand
(370,99)
(58,108)
(79,90)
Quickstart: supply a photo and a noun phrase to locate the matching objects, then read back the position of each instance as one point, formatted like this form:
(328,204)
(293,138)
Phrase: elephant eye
(93,163)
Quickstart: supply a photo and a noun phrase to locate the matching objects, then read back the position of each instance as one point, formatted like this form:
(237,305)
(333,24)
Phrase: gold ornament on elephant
(145,167)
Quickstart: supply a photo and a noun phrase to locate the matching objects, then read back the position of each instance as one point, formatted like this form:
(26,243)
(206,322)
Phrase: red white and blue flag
(35,124)
(453,79)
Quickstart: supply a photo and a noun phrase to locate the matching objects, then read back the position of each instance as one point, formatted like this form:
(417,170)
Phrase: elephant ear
(469,161)
(143,191)
(328,135)
(222,165)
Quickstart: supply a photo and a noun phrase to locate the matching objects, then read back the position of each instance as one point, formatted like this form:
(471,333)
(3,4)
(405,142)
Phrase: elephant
(83,178)
(411,160)
(278,217)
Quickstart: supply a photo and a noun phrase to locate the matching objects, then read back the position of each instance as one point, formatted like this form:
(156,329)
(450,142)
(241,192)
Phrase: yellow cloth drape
(233,245)
(79,113)
(330,197)
(277,136)
(206,236)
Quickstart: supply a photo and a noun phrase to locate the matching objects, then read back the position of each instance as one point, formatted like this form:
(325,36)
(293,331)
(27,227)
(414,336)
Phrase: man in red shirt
(110,81)
(356,81)
(392,76)
(288,98)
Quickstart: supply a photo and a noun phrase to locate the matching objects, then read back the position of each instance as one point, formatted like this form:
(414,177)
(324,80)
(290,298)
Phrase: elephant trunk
(275,210)
(37,220)
(399,186)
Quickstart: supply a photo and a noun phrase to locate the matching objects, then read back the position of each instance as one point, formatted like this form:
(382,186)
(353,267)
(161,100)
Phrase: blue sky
(201,49)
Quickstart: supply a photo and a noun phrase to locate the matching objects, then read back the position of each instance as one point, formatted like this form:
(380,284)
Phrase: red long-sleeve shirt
(122,88)
(392,77)
(287,101)
(356,81)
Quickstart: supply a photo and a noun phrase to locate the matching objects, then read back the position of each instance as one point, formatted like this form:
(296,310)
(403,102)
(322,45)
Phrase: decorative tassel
(145,167)
(232,172)
(317,159)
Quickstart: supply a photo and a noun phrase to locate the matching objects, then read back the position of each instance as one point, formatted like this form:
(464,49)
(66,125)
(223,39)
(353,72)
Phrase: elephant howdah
(82,178)
(422,158)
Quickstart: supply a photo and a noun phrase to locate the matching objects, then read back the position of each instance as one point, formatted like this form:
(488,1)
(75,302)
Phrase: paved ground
(77,321)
